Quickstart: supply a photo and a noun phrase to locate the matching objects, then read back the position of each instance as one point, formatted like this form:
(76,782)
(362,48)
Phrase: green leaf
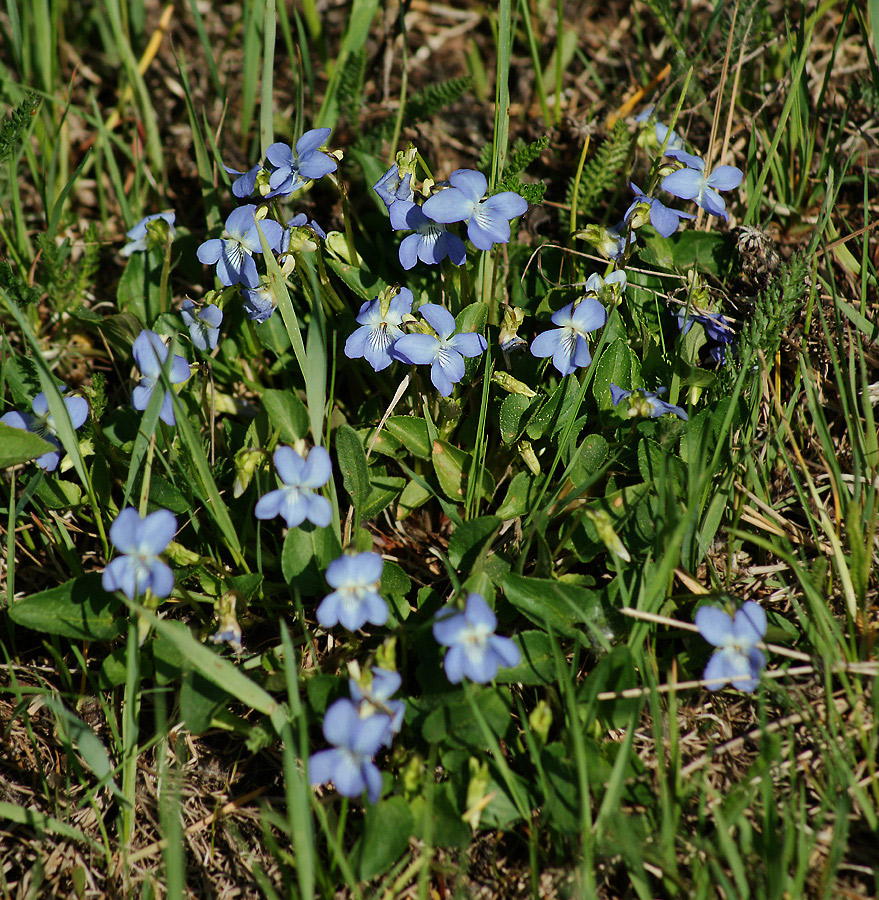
(451,466)
(138,290)
(18,446)
(614,672)
(518,499)
(352,463)
(286,412)
(707,251)
(384,489)
(468,540)
(537,665)
(307,552)
(388,827)
(412,433)
(199,700)
(563,607)
(79,609)
(619,366)
(513,408)
(215,668)
(453,719)
(394,580)
(413,496)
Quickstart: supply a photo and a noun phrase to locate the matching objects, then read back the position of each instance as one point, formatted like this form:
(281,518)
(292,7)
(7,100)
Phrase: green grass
(165,763)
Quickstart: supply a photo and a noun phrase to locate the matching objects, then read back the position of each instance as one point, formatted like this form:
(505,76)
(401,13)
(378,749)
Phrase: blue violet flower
(393,186)
(349,764)
(691,183)
(444,353)
(379,330)
(475,651)
(297,500)
(42,424)
(488,221)
(150,354)
(372,694)
(203,324)
(142,234)
(431,243)
(294,169)
(663,218)
(567,344)
(141,541)
(647,403)
(355,600)
(738,659)
(233,254)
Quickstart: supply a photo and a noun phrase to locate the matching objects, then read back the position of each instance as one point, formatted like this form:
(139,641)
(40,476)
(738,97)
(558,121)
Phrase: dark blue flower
(233,254)
(150,353)
(488,221)
(394,186)
(444,353)
(475,651)
(349,764)
(647,403)
(42,424)
(141,541)
(738,660)
(293,170)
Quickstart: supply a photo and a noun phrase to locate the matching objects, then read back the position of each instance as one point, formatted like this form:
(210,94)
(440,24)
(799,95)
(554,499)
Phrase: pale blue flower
(139,236)
(691,183)
(204,323)
(375,339)
(294,169)
(475,651)
(567,344)
(717,330)
(233,254)
(444,353)
(660,130)
(431,243)
(150,353)
(738,660)
(141,541)
(376,697)
(663,218)
(488,221)
(349,764)
(297,501)
(650,399)
(355,600)
(42,424)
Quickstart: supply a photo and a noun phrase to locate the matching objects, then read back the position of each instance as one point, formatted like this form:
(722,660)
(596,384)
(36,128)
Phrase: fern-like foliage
(774,311)
(601,173)
(66,279)
(19,291)
(15,126)
(522,156)
(419,107)
(350,91)
(435,98)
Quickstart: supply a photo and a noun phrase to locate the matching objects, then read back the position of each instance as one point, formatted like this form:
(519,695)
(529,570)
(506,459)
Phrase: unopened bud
(246,461)
(511,385)
(606,533)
